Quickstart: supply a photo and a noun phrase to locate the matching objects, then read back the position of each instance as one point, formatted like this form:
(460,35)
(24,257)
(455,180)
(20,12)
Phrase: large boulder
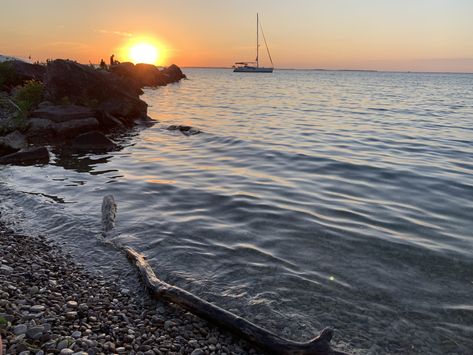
(173,74)
(93,142)
(27,156)
(44,130)
(63,113)
(12,142)
(82,85)
(141,74)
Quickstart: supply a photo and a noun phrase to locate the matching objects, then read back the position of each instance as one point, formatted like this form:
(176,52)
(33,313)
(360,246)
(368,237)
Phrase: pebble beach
(50,305)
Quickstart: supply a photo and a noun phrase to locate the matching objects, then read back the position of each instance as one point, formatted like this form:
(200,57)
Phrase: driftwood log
(251,332)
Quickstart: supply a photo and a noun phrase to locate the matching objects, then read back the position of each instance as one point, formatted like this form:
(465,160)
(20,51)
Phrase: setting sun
(144,53)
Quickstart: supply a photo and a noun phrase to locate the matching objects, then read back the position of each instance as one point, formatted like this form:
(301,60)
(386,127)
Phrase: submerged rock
(28,156)
(93,141)
(186,130)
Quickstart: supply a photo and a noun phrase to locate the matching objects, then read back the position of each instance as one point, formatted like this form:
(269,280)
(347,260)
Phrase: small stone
(6,269)
(37,308)
(168,324)
(34,289)
(76,335)
(62,344)
(71,304)
(120,350)
(35,332)
(198,352)
(25,352)
(66,351)
(20,329)
(129,338)
(71,314)
(213,340)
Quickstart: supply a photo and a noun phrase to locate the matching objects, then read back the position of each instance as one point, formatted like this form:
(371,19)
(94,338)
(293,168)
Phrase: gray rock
(12,142)
(213,340)
(66,351)
(27,156)
(39,127)
(64,343)
(20,329)
(74,127)
(71,304)
(71,314)
(198,352)
(76,335)
(37,308)
(169,324)
(35,332)
(63,113)
(6,269)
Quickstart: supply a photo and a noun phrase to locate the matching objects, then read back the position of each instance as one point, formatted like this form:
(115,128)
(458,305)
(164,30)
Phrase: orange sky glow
(404,35)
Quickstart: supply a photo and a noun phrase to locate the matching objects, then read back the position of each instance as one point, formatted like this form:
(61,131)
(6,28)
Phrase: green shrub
(29,95)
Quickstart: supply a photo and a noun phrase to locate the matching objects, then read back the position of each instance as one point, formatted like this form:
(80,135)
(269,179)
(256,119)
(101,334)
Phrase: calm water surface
(310,199)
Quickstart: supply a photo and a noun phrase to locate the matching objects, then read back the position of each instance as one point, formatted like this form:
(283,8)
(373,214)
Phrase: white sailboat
(253,67)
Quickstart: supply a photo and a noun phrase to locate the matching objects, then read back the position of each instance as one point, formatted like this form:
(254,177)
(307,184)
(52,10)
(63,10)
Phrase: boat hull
(252,70)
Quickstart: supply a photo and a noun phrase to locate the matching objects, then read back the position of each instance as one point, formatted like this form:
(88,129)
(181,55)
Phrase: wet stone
(37,308)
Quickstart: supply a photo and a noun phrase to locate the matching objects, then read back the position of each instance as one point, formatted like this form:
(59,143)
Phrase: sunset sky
(416,35)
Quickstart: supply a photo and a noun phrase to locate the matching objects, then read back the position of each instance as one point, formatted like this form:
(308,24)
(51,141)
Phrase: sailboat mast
(257,40)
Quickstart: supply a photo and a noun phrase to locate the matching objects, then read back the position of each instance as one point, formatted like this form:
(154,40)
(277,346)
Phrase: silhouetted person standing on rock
(112,61)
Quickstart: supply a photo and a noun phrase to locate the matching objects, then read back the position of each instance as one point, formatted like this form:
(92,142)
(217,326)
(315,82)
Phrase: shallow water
(310,199)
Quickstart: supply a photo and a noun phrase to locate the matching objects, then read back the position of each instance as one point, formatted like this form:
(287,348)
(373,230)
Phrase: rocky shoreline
(51,305)
(65,103)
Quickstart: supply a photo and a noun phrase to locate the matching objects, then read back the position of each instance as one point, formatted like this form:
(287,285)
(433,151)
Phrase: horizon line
(347,70)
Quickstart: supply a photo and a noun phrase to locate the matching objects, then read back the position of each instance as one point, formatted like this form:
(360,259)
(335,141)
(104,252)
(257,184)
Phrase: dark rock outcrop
(93,141)
(85,86)
(12,143)
(147,74)
(27,156)
(173,73)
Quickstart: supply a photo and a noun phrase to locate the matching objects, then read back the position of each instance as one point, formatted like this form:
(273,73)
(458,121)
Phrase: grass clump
(29,96)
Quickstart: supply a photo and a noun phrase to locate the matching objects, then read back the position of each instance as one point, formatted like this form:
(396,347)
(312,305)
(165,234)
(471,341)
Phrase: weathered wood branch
(261,337)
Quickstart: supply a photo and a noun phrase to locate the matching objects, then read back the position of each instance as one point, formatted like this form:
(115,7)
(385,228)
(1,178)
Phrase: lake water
(310,199)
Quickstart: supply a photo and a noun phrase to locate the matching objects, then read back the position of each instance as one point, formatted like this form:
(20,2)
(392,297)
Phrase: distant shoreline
(344,70)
